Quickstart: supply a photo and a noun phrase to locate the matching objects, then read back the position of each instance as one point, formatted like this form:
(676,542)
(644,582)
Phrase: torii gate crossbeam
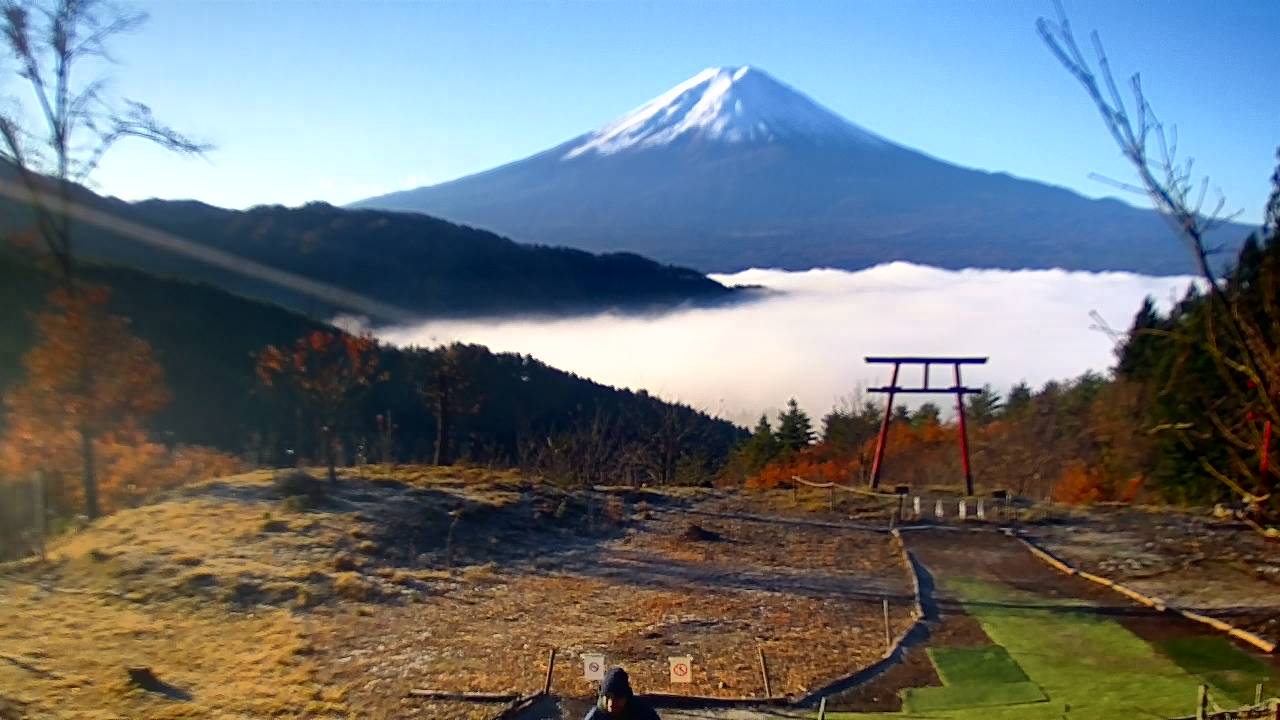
(893,389)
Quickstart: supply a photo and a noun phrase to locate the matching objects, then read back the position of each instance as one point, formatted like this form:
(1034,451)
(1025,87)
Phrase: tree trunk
(90,477)
(330,454)
(443,412)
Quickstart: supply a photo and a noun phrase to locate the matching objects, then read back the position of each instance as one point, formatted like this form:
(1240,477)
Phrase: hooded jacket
(617,684)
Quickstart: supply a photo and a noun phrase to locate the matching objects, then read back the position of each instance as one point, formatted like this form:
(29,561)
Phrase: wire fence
(902,505)
(1208,709)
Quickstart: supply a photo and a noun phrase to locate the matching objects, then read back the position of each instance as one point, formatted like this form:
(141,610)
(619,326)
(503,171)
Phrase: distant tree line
(191,381)
(1171,421)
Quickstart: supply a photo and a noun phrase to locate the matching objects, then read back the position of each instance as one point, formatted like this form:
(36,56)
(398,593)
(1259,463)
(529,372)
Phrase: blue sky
(340,100)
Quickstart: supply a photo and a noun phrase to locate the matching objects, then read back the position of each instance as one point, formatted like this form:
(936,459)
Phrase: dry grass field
(248,597)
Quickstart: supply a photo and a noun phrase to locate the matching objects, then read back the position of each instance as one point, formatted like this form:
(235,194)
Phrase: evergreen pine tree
(794,429)
(763,445)
(983,407)
(927,414)
(1019,398)
(1134,358)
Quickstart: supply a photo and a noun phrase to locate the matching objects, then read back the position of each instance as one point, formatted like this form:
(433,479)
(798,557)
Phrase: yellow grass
(257,611)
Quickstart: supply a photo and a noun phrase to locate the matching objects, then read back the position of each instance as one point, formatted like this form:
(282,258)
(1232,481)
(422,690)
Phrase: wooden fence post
(764,672)
(551,664)
(1257,694)
(888,636)
(822,709)
(1202,701)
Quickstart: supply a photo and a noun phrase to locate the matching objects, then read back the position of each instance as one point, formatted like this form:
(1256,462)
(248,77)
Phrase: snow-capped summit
(723,104)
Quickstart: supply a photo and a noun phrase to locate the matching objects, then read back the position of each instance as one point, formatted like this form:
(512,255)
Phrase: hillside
(418,264)
(733,169)
(206,338)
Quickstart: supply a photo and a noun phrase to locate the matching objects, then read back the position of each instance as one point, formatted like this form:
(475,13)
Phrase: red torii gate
(893,388)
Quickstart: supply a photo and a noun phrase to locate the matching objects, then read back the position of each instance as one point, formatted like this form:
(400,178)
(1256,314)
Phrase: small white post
(915,505)
(963,510)
(937,509)
(982,515)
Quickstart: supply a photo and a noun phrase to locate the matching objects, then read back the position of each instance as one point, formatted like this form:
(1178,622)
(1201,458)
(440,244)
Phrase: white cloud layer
(809,340)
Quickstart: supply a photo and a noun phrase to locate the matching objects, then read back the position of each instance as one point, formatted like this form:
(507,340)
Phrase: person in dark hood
(618,701)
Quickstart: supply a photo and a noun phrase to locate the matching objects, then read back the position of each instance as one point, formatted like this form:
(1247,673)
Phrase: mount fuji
(734,169)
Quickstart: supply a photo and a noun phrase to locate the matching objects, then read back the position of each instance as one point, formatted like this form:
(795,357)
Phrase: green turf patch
(957,697)
(1088,665)
(1210,653)
(1229,669)
(987,665)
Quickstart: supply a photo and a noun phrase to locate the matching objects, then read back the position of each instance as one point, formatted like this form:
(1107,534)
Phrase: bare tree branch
(1171,187)
(79,124)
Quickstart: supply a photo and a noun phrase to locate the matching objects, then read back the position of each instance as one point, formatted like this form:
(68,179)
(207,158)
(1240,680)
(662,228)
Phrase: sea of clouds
(808,338)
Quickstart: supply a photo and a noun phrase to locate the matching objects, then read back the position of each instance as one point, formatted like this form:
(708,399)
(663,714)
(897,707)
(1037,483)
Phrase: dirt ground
(1188,559)
(810,598)
(250,603)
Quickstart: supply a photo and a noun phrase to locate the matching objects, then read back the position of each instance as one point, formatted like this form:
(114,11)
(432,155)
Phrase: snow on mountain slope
(732,169)
(726,104)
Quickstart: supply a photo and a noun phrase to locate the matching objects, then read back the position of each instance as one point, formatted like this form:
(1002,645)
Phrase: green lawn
(983,695)
(1234,672)
(976,665)
(1088,667)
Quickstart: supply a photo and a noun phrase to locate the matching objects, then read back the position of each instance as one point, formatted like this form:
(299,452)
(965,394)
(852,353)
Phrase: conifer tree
(794,429)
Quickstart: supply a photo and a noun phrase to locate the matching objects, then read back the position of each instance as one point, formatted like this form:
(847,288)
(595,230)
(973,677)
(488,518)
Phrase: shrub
(1078,485)
(299,490)
(353,586)
(345,563)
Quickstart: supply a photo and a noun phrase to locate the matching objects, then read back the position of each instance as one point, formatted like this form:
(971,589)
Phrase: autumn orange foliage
(813,464)
(324,371)
(1081,485)
(1078,485)
(90,385)
(87,372)
(823,463)
(87,376)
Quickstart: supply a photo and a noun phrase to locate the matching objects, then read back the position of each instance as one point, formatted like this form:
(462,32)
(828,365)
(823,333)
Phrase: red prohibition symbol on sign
(681,669)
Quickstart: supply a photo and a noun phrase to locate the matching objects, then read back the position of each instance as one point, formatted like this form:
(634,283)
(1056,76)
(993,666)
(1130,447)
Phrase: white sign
(681,669)
(593,667)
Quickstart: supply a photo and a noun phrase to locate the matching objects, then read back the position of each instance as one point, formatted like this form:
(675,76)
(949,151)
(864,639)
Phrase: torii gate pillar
(893,388)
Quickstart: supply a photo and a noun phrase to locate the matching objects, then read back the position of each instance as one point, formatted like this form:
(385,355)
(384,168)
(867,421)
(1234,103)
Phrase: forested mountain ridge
(418,264)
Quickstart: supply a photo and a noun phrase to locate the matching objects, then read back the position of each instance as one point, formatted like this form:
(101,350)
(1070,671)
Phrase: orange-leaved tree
(88,376)
(324,372)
